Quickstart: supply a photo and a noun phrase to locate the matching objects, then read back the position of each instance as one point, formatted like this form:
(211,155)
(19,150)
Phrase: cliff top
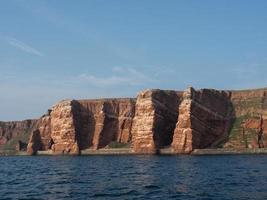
(106,99)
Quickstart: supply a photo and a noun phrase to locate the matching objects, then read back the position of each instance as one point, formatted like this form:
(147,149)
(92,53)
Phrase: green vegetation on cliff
(117,145)
(12,143)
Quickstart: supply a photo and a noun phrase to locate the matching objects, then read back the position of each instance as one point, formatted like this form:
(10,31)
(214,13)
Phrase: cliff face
(205,119)
(40,138)
(221,119)
(58,130)
(158,119)
(250,119)
(155,118)
(65,129)
(76,125)
(11,133)
(104,121)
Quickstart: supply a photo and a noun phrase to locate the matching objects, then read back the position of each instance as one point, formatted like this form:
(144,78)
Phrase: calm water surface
(134,177)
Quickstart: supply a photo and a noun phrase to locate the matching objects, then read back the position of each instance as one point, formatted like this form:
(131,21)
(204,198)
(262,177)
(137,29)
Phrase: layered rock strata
(58,130)
(175,121)
(73,125)
(205,117)
(65,129)
(106,120)
(40,138)
(14,132)
(250,119)
(155,118)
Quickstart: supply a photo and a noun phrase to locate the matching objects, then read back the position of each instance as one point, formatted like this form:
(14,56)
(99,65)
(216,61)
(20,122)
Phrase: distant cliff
(179,121)
(15,135)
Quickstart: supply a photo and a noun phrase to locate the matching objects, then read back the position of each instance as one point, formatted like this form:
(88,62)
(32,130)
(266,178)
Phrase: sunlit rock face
(156,114)
(58,130)
(65,127)
(73,125)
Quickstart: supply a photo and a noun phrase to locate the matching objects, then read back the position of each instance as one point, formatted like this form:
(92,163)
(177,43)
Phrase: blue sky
(65,49)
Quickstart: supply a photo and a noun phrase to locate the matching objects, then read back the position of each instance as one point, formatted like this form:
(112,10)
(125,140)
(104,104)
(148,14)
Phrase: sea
(231,177)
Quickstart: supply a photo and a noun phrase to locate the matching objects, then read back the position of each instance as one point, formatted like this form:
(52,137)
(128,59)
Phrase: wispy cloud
(23,47)
(128,76)
(44,10)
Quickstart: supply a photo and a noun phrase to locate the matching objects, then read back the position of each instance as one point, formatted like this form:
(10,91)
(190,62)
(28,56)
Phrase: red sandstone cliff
(155,118)
(179,121)
(204,118)
(11,133)
(250,118)
(76,125)
(106,120)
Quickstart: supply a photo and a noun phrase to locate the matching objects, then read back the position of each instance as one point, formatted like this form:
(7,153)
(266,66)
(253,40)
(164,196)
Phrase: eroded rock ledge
(156,121)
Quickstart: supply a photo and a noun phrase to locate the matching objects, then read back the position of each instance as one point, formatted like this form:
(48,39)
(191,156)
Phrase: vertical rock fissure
(155,118)
(203,120)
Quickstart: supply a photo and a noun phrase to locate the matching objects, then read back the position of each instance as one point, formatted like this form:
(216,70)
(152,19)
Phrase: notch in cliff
(155,118)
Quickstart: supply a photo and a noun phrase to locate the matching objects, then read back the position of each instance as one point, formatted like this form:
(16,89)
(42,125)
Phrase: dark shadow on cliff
(229,124)
(88,124)
(108,134)
(167,111)
(36,139)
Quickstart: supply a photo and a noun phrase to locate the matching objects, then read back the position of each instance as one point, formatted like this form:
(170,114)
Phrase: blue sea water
(134,177)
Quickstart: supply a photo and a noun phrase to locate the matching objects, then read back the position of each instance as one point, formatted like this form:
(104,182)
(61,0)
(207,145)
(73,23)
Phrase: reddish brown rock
(252,124)
(156,114)
(76,125)
(157,119)
(204,119)
(64,127)
(248,108)
(183,133)
(40,139)
(106,120)
(13,132)
(35,143)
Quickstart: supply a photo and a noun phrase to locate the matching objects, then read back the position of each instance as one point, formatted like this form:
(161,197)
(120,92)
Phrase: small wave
(128,193)
(152,187)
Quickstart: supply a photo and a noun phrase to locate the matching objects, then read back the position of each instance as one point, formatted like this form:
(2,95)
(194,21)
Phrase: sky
(65,49)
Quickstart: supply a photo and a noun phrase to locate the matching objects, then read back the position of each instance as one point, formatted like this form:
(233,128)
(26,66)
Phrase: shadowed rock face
(204,118)
(41,136)
(155,118)
(106,120)
(13,132)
